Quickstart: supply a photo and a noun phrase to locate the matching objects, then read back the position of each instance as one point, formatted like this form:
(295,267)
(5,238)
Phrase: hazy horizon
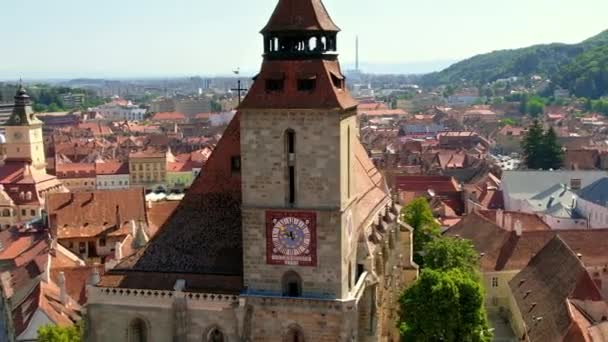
(153,38)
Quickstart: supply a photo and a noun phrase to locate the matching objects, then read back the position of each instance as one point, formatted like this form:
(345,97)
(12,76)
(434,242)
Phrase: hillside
(546,60)
(587,74)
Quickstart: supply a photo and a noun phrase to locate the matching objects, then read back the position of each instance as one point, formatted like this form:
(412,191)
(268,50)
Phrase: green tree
(551,151)
(53,107)
(449,253)
(532,146)
(53,333)
(508,122)
(444,306)
(419,216)
(541,148)
(535,106)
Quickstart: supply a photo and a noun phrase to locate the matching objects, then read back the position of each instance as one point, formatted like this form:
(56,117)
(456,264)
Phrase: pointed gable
(300,15)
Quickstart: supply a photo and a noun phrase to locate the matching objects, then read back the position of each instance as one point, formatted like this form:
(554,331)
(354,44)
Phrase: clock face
(18,135)
(291,238)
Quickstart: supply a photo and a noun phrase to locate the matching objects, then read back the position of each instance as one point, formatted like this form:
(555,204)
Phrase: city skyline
(71,39)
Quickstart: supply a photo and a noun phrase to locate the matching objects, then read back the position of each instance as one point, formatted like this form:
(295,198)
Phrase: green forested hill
(546,60)
(587,74)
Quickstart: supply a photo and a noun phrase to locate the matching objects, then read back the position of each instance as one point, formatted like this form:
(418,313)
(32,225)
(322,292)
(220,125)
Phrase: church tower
(24,141)
(297,131)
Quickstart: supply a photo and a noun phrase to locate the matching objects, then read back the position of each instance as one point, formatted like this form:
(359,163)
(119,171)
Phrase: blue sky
(114,38)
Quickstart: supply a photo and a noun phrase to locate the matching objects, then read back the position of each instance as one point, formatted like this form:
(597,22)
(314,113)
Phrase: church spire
(22,115)
(300,29)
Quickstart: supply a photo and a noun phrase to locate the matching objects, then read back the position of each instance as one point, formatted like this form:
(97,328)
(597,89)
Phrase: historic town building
(289,233)
(24,182)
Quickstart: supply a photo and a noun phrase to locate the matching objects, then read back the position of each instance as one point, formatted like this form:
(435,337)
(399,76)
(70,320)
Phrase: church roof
(325,94)
(201,242)
(300,15)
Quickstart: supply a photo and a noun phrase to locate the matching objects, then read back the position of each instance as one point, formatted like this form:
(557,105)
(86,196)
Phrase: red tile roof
(112,168)
(300,15)
(76,279)
(169,116)
(382,112)
(325,95)
(75,170)
(421,184)
(87,214)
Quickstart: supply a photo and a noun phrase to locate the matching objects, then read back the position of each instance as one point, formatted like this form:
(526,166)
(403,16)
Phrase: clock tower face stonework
(24,140)
(289,233)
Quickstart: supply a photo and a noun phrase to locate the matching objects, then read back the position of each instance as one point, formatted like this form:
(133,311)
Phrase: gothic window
(235,165)
(348,166)
(215,335)
(290,146)
(292,284)
(294,334)
(138,331)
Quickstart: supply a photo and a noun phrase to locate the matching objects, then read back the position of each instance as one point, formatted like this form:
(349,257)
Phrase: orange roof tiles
(112,168)
(300,15)
(169,116)
(87,214)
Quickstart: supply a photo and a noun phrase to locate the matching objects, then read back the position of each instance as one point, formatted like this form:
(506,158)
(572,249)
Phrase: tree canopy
(53,333)
(444,306)
(451,253)
(419,216)
(541,148)
(587,75)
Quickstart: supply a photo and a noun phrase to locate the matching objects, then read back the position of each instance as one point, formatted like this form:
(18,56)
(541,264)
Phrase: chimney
(63,293)
(95,278)
(508,222)
(117,250)
(118,219)
(149,204)
(500,217)
(46,276)
(518,228)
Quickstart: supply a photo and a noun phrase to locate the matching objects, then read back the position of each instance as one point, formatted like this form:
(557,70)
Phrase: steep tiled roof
(169,116)
(439,184)
(504,250)
(542,291)
(90,213)
(325,94)
(202,238)
(75,170)
(597,192)
(300,15)
(76,279)
(112,168)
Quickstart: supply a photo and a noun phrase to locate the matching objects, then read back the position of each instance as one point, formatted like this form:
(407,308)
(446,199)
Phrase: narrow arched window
(138,331)
(215,335)
(290,149)
(294,334)
(292,284)
(349,166)
(350,276)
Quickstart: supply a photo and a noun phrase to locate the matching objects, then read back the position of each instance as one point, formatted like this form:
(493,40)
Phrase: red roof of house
(112,168)
(300,15)
(75,170)
(382,112)
(439,184)
(169,116)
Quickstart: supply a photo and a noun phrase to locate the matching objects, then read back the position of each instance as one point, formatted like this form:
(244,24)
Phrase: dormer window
(275,82)
(337,80)
(307,82)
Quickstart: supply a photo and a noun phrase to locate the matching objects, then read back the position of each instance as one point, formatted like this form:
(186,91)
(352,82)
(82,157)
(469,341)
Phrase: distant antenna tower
(357,53)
